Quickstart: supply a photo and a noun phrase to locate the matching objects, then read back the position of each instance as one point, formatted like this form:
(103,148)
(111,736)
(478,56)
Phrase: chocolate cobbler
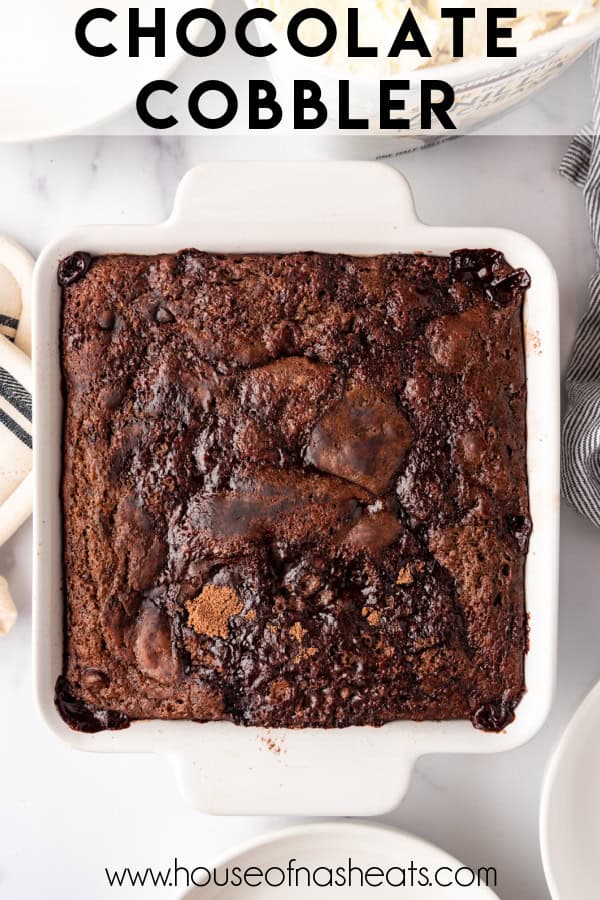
(294,489)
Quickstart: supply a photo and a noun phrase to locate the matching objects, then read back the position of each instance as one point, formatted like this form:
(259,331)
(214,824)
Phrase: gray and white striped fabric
(16,267)
(15,438)
(8,326)
(581,429)
(15,407)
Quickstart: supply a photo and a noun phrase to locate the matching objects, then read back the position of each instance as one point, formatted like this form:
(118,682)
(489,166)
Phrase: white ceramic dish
(330,845)
(359,208)
(50,87)
(570,808)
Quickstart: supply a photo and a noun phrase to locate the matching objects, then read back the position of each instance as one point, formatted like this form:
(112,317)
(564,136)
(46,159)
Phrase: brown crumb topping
(251,615)
(210,611)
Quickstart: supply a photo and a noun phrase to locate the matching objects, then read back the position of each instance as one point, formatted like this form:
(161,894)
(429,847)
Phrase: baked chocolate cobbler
(294,489)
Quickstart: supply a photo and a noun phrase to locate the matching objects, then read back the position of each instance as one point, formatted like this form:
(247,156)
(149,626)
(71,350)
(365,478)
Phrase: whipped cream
(379,21)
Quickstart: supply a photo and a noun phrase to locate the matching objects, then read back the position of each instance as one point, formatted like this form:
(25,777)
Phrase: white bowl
(329,845)
(570,807)
(484,88)
(50,87)
(285,207)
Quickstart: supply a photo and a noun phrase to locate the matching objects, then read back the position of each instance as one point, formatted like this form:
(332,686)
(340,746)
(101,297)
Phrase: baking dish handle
(348,772)
(316,192)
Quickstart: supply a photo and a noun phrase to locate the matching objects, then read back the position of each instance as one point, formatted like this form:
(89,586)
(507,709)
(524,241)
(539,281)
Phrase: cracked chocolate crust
(294,489)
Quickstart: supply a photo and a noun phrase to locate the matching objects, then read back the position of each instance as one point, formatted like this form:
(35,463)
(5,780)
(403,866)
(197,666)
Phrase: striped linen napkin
(16,267)
(581,428)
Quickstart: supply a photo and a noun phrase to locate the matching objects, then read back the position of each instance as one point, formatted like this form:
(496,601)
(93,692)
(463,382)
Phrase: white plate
(332,844)
(49,86)
(570,808)
(345,207)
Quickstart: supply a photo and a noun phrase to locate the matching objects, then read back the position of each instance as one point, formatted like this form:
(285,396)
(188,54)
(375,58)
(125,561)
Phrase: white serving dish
(49,87)
(570,807)
(485,88)
(357,208)
(329,845)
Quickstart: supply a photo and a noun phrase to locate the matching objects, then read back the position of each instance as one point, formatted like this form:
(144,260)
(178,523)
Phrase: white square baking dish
(357,208)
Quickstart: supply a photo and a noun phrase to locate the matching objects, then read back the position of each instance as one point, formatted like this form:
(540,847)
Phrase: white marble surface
(65,816)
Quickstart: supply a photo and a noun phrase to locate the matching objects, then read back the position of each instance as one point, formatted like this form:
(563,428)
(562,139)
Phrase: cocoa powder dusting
(210,611)
(404,576)
(406,573)
(297,632)
(272,745)
(371,615)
